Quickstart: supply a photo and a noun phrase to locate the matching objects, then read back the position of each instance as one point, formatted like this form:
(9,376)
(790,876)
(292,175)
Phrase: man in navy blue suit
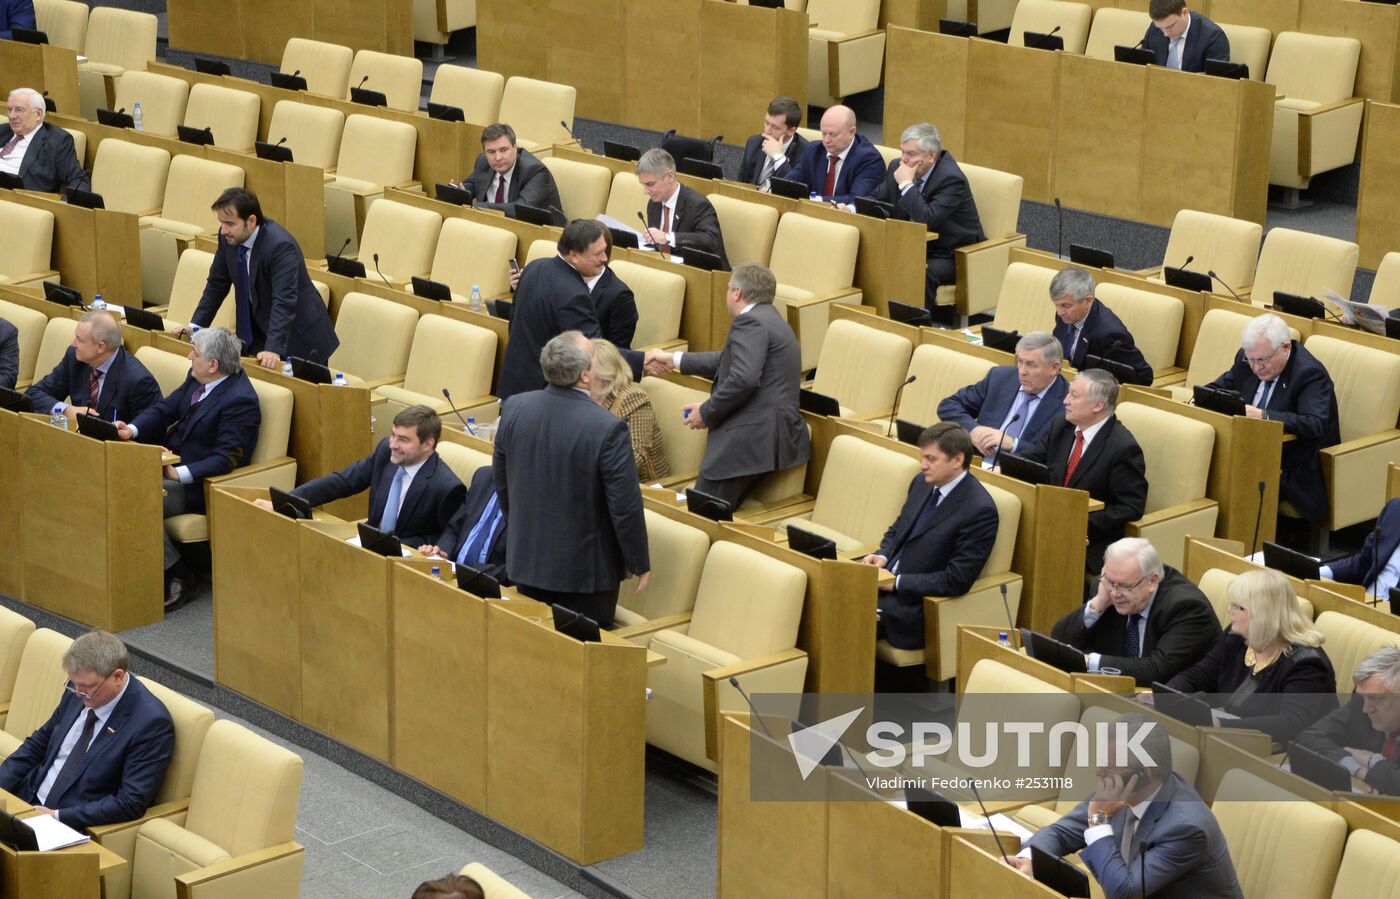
(211,422)
(15,14)
(101,756)
(843,165)
(476,535)
(96,375)
(1085,326)
(9,354)
(1182,39)
(1013,403)
(1376,566)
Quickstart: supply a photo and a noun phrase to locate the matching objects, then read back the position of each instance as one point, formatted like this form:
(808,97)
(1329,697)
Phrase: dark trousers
(173,503)
(942,271)
(731,490)
(598,606)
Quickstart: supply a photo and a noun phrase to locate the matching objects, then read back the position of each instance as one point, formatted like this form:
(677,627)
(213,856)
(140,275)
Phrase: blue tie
(474,549)
(390,518)
(241,298)
(1131,646)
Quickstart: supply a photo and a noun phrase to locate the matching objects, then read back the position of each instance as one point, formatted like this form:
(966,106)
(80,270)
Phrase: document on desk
(1002,824)
(52,833)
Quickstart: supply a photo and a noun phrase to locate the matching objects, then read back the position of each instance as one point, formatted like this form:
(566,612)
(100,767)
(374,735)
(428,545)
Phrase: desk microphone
(1002,436)
(362,81)
(1040,41)
(298,72)
(1060,234)
(646,229)
(1216,277)
(280,142)
(559,212)
(1258,517)
(1010,622)
(1187,263)
(337,253)
(734,682)
(381,274)
(910,380)
(565,125)
(1136,46)
(986,814)
(455,411)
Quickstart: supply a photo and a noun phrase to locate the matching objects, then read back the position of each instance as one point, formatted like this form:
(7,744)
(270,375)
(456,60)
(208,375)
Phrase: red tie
(500,188)
(94,382)
(1074,455)
(665,219)
(1388,747)
(829,188)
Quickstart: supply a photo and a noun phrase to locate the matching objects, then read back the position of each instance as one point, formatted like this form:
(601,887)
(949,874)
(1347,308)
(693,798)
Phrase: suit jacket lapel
(1091,452)
(35,145)
(108,391)
(419,485)
(102,735)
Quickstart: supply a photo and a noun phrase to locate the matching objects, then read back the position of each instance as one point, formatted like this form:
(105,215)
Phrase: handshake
(659,362)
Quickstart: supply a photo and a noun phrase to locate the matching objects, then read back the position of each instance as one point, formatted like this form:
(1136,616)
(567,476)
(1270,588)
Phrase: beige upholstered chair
(887,154)
(1178,451)
(1370,864)
(1024,302)
(326,67)
(982,266)
(1317,120)
(1214,243)
(1367,381)
(1385,289)
(660,297)
(58,336)
(1302,263)
(862,491)
(535,110)
(30,323)
(1043,16)
(26,244)
(845,49)
(312,133)
(117,41)
(1217,343)
(191,273)
(1249,44)
(130,177)
(162,98)
(744,625)
(398,78)
(476,92)
(814,262)
(434,21)
(190,187)
(64,21)
(1349,641)
(749,229)
(625,198)
(1154,320)
(940,371)
(583,188)
(375,153)
(231,115)
(1281,844)
(1114,28)
(470,253)
(39,684)
(685,447)
(236,837)
(446,354)
(375,338)
(14,634)
(463,460)
(989,15)
(79,145)
(402,238)
(493,885)
(1215,584)
(541,249)
(861,368)
(677,559)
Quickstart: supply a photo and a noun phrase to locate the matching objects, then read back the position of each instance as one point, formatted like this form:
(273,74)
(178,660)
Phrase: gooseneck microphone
(1002,436)
(362,81)
(1216,277)
(734,682)
(280,142)
(337,253)
(565,125)
(1040,41)
(895,410)
(466,427)
(1060,235)
(1187,264)
(381,274)
(645,229)
(1010,622)
(973,782)
(1258,517)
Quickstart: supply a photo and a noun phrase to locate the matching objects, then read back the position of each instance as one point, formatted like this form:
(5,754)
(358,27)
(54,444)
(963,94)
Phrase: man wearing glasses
(102,755)
(1281,381)
(1146,620)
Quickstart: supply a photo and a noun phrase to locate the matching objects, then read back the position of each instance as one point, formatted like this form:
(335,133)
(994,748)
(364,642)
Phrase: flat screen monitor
(1183,707)
(1090,256)
(909,314)
(461,196)
(786,187)
(212,67)
(1022,469)
(808,543)
(625,152)
(377,541)
(1222,401)
(429,289)
(1038,40)
(314,372)
(907,431)
(1301,306)
(1324,772)
(1058,874)
(1186,280)
(272,152)
(477,582)
(141,318)
(292,82)
(446,113)
(288,504)
(1053,652)
(1300,565)
(997,339)
(1140,56)
(1223,68)
(576,625)
(957,28)
(97,428)
(707,505)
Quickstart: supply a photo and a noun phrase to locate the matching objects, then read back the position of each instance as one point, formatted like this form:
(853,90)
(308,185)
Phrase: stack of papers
(52,833)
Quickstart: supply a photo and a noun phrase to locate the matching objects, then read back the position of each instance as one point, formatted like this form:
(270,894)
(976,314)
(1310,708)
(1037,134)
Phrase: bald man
(842,165)
(42,155)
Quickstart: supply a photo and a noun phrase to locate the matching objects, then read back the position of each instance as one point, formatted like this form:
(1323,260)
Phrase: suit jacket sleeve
(974,545)
(69,169)
(152,424)
(144,393)
(1299,695)
(30,753)
(704,233)
(350,480)
(54,387)
(748,341)
(1331,735)
(577,313)
(216,287)
(624,498)
(1312,415)
(705,365)
(447,508)
(21,15)
(142,772)
(749,165)
(9,356)
(1204,676)
(238,428)
(1354,568)
(1179,643)
(867,176)
(963,407)
(622,319)
(951,195)
(285,267)
(537,189)
(1227,380)
(1173,854)
(1217,46)
(1128,476)
(1065,836)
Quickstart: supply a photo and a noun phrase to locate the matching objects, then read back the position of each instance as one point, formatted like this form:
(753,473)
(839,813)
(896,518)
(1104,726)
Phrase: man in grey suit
(567,484)
(752,414)
(42,155)
(504,175)
(1143,823)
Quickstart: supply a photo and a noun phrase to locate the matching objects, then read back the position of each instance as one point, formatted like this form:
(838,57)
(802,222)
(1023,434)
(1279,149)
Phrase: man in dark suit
(1362,735)
(1145,619)
(101,756)
(1086,326)
(567,483)
(97,375)
(1013,403)
(1280,380)
(9,354)
(613,303)
(211,422)
(280,314)
(1376,566)
(843,165)
(42,155)
(779,141)
(678,218)
(1182,39)
(412,493)
(1088,448)
(941,539)
(15,14)
(926,185)
(752,413)
(505,175)
(1144,824)
(476,535)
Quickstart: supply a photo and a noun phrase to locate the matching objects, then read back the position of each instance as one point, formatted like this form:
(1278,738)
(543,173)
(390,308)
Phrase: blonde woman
(612,388)
(1269,668)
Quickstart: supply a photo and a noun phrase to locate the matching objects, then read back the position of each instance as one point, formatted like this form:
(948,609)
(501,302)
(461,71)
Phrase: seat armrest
(748,666)
(1330,107)
(391,381)
(1178,511)
(652,626)
(770,512)
(257,468)
(104,832)
(1358,444)
(684,479)
(713,678)
(836,296)
(188,885)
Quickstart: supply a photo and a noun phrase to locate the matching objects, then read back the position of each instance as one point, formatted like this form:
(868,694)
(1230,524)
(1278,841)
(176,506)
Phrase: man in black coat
(941,539)
(567,483)
(1184,40)
(616,307)
(1280,380)
(42,155)
(476,535)
(280,314)
(1086,326)
(1090,449)
(96,375)
(1145,619)
(1362,735)
(678,218)
(9,354)
(779,140)
(505,175)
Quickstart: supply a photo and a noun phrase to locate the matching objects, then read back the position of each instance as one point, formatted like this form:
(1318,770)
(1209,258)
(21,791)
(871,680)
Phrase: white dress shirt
(11,163)
(1176,48)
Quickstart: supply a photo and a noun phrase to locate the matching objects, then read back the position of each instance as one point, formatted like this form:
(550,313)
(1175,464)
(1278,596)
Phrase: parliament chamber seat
(58,336)
(1154,320)
(230,115)
(376,336)
(1303,263)
(325,66)
(1317,120)
(677,554)
(744,624)
(1115,28)
(445,354)
(583,188)
(814,263)
(398,242)
(493,885)
(626,200)
(538,111)
(541,249)
(30,325)
(374,154)
(191,186)
(988,15)
(1385,289)
(845,49)
(861,368)
(862,491)
(117,41)
(749,229)
(312,133)
(888,154)
(660,298)
(1023,303)
(1370,864)
(1281,844)
(39,685)
(235,838)
(1349,641)
(1217,344)
(1249,44)
(472,254)
(26,244)
(1177,451)
(162,98)
(1215,584)
(15,630)
(476,92)
(1043,16)
(1214,243)
(191,274)
(79,143)
(434,21)
(463,460)
(685,446)
(940,371)
(130,177)
(64,21)
(398,78)
(982,266)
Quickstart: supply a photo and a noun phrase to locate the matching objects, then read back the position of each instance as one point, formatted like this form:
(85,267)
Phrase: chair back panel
(1153,319)
(120,37)
(1305,264)
(1045,15)
(232,115)
(130,177)
(1370,866)
(27,246)
(168,369)
(1229,247)
(1281,844)
(275,429)
(451,354)
(474,91)
(1250,45)
(398,78)
(677,560)
(192,722)
(1008,522)
(190,187)
(403,238)
(660,297)
(863,489)
(1367,381)
(375,337)
(997,196)
(470,253)
(1217,342)
(1314,67)
(162,98)
(1024,304)
(15,630)
(326,67)
(749,229)
(463,460)
(377,150)
(1113,28)
(748,604)
(64,21)
(941,372)
(30,323)
(814,255)
(844,16)
(245,792)
(312,132)
(1177,450)
(583,188)
(58,336)
(191,273)
(861,367)
(685,447)
(1349,641)
(535,109)
(39,682)
(625,198)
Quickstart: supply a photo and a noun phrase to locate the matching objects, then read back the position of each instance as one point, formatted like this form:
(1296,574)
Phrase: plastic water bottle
(339,380)
(59,420)
(137,118)
(287,367)
(471,426)
(97,302)
(1003,640)
(437,573)
(475,303)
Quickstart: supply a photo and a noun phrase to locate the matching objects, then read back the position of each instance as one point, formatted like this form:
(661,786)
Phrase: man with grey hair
(1146,620)
(1086,327)
(926,185)
(1280,380)
(1013,405)
(1088,448)
(1362,735)
(211,422)
(97,375)
(101,756)
(566,482)
(39,154)
(677,217)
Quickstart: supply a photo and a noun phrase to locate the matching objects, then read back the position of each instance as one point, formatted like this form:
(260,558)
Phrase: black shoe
(177,592)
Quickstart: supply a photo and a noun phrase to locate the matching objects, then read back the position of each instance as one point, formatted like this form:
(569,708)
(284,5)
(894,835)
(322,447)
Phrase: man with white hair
(1362,735)
(1281,381)
(40,154)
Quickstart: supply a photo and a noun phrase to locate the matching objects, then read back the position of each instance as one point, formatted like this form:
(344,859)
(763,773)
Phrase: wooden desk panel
(748,52)
(259,29)
(94,250)
(1375,25)
(1378,205)
(1275,15)
(661,41)
(1095,169)
(11,502)
(45,68)
(383,25)
(1014,91)
(578,34)
(278,22)
(926,80)
(861,828)
(512,37)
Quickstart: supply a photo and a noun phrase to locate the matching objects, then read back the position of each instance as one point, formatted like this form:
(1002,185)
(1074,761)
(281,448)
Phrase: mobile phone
(514,266)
